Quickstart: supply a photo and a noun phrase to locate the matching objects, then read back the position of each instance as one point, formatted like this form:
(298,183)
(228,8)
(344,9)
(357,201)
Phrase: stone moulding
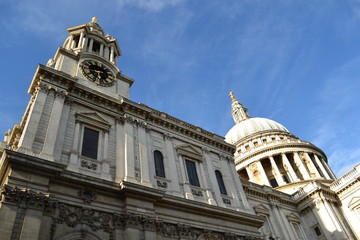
(73,216)
(24,197)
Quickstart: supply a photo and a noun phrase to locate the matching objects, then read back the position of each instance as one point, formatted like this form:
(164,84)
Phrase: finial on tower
(94,20)
(232,96)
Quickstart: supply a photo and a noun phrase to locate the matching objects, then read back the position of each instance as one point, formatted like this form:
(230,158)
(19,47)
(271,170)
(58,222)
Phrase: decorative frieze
(24,197)
(87,195)
(73,216)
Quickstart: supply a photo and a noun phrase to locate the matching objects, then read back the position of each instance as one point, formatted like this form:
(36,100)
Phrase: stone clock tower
(86,162)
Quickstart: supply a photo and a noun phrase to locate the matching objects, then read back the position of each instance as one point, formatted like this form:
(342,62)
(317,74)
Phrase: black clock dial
(97,72)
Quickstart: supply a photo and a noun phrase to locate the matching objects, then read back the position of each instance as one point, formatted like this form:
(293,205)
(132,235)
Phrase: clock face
(97,72)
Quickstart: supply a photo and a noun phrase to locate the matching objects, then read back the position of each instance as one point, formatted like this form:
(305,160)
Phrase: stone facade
(86,162)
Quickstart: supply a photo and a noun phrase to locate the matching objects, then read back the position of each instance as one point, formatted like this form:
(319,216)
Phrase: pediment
(190,151)
(293,218)
(260,209)
(355,202)
(94,119)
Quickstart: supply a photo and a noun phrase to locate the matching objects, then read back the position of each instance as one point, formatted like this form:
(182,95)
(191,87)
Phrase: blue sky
(296,62)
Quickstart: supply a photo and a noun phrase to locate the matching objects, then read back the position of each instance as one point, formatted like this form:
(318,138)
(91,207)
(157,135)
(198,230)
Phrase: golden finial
(94,19)
(232,96)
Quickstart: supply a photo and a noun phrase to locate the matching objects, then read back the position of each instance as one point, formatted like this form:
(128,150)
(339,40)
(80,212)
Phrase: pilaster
(54,123)
(120,150)
(143,151)
(129,152)
(31,126)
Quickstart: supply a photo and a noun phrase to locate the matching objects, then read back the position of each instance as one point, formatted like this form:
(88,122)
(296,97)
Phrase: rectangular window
(192,174)
(317,231)
(90,143)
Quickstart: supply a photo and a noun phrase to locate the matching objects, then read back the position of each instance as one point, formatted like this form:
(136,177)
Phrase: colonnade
(87,45)
(280,169)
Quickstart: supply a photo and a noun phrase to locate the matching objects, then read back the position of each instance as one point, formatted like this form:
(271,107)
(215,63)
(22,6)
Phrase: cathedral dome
(250,126)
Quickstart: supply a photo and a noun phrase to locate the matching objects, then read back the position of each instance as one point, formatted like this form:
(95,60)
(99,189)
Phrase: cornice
(282,145)
(86,96)
(165,121)
(267,193)
(58,172)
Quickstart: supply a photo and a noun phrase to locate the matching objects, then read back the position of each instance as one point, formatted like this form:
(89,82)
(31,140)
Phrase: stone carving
(226,201)
(14,146)
(198,193)
(87,195)
(88,165)
(161,184)
(168,136)
(24,197)
(73,216)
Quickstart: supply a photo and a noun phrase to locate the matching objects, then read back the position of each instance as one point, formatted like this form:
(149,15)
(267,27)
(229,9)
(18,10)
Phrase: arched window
(159,164)
(220,182)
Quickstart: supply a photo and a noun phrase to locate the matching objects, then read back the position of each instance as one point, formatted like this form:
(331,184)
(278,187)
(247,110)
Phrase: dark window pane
(159,164)
(317,231)
(191,170)
(220,182)
(273,182)
(90,143)
(285,179)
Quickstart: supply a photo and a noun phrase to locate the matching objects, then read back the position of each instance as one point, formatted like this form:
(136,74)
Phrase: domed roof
(250,126)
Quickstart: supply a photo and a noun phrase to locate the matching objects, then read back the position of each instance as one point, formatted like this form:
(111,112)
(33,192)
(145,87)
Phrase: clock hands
(97,72)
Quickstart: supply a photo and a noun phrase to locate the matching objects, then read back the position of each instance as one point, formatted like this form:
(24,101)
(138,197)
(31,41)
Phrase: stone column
(101,53)
(81,38)
(143,151)
(112,54)
(329,171)
(36,106)
(289,168)
(54,123)
(91,45)
(84,44)
(129,152)
(120,151)
(301,166)
(264,178)
(321,166)
(107,53)
(70,42)
(276,171)
(312,165)
(251,177)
